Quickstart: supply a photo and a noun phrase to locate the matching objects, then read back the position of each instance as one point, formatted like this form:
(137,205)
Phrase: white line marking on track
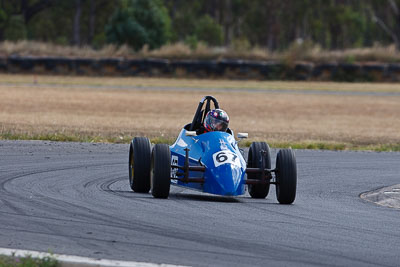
(69,259)
(390,192)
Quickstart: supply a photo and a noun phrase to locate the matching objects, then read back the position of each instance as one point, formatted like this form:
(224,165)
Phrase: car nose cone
(231,184)
(226,180)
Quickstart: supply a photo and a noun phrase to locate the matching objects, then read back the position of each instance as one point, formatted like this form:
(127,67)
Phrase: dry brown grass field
(352,120)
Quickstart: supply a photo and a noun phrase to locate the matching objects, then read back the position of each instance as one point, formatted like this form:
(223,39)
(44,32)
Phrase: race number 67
(224,157)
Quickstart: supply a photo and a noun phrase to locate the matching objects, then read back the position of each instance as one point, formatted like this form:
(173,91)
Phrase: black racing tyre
(254,161)
(286,176)
(160,171)
(140,164)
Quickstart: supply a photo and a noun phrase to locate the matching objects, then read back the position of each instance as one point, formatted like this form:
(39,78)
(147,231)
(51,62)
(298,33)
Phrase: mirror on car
(191,133)
(243,135)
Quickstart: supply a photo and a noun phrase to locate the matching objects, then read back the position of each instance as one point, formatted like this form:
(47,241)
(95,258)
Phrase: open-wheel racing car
(210,162)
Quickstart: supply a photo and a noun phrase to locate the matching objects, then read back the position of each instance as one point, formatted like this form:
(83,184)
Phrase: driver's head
(216,120)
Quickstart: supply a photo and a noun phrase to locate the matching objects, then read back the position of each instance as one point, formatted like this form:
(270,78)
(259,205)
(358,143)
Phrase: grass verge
(27,261)
(158,140)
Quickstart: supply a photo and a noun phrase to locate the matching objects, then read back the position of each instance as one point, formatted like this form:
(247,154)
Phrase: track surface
(74,198)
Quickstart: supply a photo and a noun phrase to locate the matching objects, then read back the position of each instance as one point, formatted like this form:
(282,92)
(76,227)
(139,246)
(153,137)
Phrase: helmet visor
(217,124)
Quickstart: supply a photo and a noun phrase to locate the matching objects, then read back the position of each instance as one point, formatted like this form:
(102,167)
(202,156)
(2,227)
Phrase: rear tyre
(286,176)
(139,164)
(255,161)
(161,171)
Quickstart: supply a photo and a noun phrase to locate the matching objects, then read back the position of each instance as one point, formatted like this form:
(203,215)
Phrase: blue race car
(210,162)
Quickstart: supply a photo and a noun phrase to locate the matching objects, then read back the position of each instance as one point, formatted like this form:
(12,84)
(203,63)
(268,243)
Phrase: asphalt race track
(73,198)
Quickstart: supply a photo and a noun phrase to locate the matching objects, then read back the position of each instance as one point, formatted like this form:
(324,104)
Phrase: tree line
(242,24)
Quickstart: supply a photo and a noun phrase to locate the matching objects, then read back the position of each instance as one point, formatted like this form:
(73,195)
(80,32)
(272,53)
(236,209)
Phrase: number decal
(221,157)
(234,157)
(174,161)
(225,157)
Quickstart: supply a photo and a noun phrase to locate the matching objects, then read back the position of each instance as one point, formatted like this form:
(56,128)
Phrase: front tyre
(139,164)
(286,176)
(161,171)
(255,161)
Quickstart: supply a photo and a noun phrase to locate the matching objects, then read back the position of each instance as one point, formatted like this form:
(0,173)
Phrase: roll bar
(200,114)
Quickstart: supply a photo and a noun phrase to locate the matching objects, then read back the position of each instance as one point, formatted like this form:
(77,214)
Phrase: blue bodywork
(225,172)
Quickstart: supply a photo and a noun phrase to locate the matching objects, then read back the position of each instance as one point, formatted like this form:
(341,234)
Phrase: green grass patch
(162,140)
(61,137)
(125,139)
(313,145)
(338,146)
(330,146)
(27,261)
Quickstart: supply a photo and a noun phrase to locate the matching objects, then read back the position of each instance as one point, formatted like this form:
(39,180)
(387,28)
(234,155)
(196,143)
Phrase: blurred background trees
(138,23)
(241,24)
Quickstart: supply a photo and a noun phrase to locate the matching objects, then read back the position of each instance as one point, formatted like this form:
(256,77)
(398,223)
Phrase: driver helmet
(216,120)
